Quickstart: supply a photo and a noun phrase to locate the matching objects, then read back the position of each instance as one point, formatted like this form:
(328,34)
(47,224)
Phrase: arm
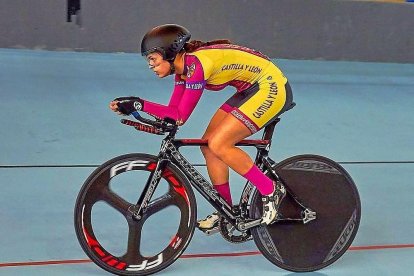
(177,94)
(184,100)
(127,105)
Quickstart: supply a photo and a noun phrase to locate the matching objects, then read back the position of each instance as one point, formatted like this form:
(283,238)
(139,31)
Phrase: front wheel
(326,188)
(111,236)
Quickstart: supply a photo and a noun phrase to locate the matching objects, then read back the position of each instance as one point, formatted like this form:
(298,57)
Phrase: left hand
(127,105)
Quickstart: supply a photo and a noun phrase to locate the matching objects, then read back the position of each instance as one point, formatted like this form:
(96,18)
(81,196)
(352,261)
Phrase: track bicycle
(117,213)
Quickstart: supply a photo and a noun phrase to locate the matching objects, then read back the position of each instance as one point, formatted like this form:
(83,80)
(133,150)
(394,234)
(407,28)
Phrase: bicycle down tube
(169,153)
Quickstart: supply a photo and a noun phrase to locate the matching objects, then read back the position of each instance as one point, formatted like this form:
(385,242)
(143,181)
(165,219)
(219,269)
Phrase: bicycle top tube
(161,127)
(204,142)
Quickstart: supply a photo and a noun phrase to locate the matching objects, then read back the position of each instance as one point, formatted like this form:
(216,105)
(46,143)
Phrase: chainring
(231,234)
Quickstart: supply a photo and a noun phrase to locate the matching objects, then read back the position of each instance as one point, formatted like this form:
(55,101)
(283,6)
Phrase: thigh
(215,121)
(230,131)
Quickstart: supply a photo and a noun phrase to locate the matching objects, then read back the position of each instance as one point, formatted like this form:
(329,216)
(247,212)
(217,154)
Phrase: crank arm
(243,226)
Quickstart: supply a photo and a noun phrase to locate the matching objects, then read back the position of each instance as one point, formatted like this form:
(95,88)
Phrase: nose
(151,64)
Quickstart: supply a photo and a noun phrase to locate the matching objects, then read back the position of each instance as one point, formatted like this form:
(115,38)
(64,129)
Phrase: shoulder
(199,60)
(193,65)
(194,57)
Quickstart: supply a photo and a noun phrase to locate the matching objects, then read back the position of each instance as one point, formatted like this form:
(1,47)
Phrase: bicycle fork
(149,189)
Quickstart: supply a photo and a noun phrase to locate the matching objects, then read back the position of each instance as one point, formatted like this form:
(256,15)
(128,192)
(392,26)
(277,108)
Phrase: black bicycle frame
(169,153)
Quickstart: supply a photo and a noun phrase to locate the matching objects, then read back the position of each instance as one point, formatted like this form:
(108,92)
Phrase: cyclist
(263,93)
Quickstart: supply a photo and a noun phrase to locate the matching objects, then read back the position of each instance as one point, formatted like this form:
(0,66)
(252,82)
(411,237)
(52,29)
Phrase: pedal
(211,231)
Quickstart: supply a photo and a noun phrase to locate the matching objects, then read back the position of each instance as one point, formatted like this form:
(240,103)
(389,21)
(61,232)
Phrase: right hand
(128,105)
(113,105)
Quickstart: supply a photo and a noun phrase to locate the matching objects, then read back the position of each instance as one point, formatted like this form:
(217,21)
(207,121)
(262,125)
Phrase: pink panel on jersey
(238,84)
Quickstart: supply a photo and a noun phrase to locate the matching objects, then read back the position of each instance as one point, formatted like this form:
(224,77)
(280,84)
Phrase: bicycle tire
(316,181)
(97,188)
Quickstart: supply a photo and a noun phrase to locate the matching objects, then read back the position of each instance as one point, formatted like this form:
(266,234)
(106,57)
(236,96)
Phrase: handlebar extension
(150,126)
(142,127)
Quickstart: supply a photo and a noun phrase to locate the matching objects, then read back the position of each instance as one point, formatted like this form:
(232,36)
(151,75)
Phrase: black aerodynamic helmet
(168,39)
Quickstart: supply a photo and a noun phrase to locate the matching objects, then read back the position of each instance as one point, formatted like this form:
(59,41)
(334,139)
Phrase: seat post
(269,130)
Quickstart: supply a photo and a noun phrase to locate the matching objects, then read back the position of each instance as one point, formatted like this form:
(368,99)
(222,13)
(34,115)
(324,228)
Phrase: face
(157,64)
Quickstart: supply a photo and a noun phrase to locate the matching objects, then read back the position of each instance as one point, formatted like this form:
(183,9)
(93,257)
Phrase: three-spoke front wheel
(113,238)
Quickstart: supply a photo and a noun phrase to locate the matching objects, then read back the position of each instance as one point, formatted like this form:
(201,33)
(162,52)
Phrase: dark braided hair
(193,45)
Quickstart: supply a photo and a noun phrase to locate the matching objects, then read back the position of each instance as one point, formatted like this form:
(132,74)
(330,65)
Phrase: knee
(216,146)
(205,151)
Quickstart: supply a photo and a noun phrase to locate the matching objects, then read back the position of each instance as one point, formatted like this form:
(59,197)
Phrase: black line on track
(195,165)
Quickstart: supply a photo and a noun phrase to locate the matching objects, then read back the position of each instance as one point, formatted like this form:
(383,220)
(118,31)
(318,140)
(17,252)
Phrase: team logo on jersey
(138,105)
(191,70)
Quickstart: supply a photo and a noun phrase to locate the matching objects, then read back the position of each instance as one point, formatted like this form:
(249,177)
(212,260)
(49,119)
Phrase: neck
(179,63)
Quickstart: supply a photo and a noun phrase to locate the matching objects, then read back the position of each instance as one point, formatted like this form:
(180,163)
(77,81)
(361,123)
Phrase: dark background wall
(293,29)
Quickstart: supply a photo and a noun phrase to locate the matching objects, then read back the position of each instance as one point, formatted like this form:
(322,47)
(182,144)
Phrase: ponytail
(193,45)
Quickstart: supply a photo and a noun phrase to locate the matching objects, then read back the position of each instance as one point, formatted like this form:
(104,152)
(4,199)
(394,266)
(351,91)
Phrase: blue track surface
(54,112)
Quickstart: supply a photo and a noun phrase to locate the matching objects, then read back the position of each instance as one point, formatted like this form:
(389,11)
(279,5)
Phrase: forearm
(161,111)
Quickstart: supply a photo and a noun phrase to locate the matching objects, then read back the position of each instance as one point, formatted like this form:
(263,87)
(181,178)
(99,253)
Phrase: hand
(113,105)
(126,105)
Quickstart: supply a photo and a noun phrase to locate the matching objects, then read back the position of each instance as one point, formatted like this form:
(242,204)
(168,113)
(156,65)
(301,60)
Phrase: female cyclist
(263,93)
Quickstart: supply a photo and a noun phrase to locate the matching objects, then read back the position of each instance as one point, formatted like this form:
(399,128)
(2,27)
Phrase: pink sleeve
(184,100)
(177,94)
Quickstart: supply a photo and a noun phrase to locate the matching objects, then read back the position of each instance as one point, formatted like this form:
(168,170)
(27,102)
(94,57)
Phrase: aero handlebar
(151,126)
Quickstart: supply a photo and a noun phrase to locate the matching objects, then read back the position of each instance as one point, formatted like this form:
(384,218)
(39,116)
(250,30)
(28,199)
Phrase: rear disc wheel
(326,188)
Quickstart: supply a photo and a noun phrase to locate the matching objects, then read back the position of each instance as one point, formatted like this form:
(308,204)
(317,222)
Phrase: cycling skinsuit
(263,92)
